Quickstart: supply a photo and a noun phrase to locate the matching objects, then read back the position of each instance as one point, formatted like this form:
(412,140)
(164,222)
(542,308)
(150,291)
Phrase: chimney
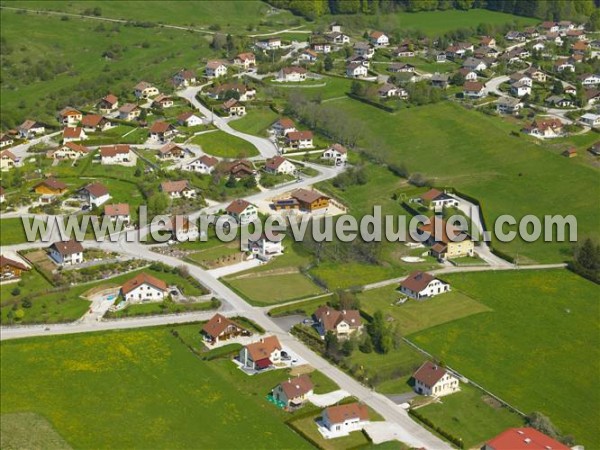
(289,380)
(262,340)
(297,386)
(344,312)
(218,320)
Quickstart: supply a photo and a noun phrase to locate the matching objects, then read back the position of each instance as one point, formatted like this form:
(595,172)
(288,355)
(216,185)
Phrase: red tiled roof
(174,186)
(237,206)
(341,413)
(524,438)
(417,281)
(297,387)
(263,348)
(331,318)
(92,120)
(160,127)
(217,324)
(53,184)
(72,132)
(96,189)
(140,279)
(275,162)
(429,373)
(117,209)
(299,135)
(111,99)
(76,147)
(285,122)
(66,248)
(113,150)
(306,196)
(4,261)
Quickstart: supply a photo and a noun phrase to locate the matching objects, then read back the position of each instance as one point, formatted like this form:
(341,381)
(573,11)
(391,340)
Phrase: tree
(557,88)
(219,41)
(380,333)
(543,424)
(348,347)
(16,291)
(458,79)
(250,182)
(332,346)
(157,203)
(231,182)
(328,63)
(357,88)
(366,345)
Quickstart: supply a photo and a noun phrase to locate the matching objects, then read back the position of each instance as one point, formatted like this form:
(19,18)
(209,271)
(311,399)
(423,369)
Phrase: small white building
(264,248)
(356,70)
(591,120)
(262,354)
(31,128)
(205,165)
(291,74)
(189,119)
(215,69)
(96,194)
(520,89)
(144,288)
(280,165)
(431,379)
(421,285)
(336,153)
(242,211)
(116,154)
(118,212)
(437,200)
(379,39)
(341,420)
(66,253)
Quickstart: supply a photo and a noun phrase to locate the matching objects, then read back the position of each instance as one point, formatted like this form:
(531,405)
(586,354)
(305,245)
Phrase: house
(437,200)
(468,74)
(69,116)
(205,164)
(341,420)
(172,151)
(592,96)
(403,51)
(388,90)
(524,438)
(554,38)
(245,60)
(401,67)
(550,27)
(294,392)
(178,189)
(31,128)
(422,285)
(264,248)
(70,150)
(240,169)
(310,200)
(184,78)
(298,140)
(341,323)
(571,152)
(595,149)
(379,39)
(242,211)
(7,160)
(71,134)
(118,212)
(280,165)
(562,65)
(569,89)
(588,79)
(144,288)
(446,241)
(536,74)
(66,253)
(269,44)
(320,45)
(521,77)
(337,37)
(233,108)
(474,64)
(129,112)
(162,101)
(531,33)
(108,104)
(591,120)
(161,131)
(291,74)
(432,379)
(261,354)
(364,49)
(440,57)
(308,55)
(189,119)
(215,69)
(283,126)
(50,186)
(6,141)
(96,194)
(242,92)
(576,34)
(520,89)
(515,36)
(11,268)
(182,229)
(579,48)
(115,154)
(440,80)
(508,105)
(336,153)
(144,90)
(356,70)
(487,41)
(219,328)
(560,101)
(95,122)
(545,128)
(473,89)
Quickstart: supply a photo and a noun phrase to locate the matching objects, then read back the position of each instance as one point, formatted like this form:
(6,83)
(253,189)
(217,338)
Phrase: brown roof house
(432,379)
(261,354)
(108,104)
(293,392)
(95,122)
(341,420)
(178,189)
(242,211)
(11,268)
(66,253)
(310,200)
(50,186)
(118,212)
(116,154)
(96,194)
(420,285)
(341,323)
(437,200)
(220,328)
(144,288)
(161,131)
(446,241)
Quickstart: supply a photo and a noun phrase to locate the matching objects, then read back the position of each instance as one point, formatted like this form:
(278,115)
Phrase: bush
(16,291)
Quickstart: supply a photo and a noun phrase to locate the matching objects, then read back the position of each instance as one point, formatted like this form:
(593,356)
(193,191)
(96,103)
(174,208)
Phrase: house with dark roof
(144,288)
(96,194)
(11,268)
(66,253)
(341,323)
(433,379)
(219,328)
(422,285)
(280,165)
(310,200)
(108,104)
(261,354)
(31,128)
(50,186)
(242,211)
(294,392)
(299,140)
(341,420)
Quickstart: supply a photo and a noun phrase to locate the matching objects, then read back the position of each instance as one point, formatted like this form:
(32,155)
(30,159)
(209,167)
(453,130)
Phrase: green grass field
(509,175)
(269,289)
(168,396)
(255,122)
(219,143)
(467,415)
(542,326)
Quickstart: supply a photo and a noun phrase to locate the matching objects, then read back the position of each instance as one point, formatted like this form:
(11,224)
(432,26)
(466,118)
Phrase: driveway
(331,398)
(402,398)
(287,322)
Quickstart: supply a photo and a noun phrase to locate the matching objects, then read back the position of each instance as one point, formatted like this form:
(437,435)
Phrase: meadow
(255,122)
(223,145)
(540,322)
(79,384)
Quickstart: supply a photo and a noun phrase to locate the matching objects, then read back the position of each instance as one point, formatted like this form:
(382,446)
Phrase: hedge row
(453,439)
(371,102)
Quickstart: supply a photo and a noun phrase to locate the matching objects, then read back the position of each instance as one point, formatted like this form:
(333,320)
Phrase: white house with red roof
(116,154)
(294,392)
(118,212)
(205,165)
(337,153)
(433,379)
(70,150)
(189,119)
(71,134)
(215,69)
(379,39)
(242,211)
(524,438)
(280,165)
(341,420)
(291,74)
(261,354)
(178,189)
(283,126)
(144,288)
(66,253)
(420,285)
(96,194)
(220,328)
(299,140)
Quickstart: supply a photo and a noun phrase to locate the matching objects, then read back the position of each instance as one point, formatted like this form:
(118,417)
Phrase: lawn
(12,232)
(152,309)
(169,397)
(509,175)
(267,289)
(255,122)
(541,322)
(414,315)
(221,144)
(210,254)
(471,416)
(308,426)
